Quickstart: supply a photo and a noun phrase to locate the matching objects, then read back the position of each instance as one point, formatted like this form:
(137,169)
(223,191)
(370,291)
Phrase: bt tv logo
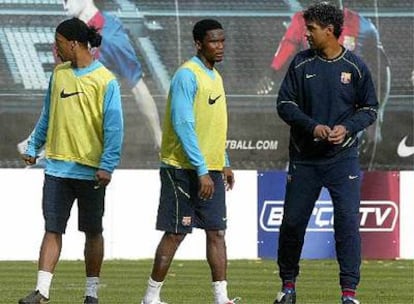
(375,216)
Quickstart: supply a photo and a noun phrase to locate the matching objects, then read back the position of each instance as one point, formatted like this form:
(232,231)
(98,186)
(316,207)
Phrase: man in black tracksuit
(326,98)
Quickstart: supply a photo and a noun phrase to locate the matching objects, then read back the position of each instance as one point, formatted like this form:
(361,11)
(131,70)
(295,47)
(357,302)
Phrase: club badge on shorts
(186,221)
(345,77)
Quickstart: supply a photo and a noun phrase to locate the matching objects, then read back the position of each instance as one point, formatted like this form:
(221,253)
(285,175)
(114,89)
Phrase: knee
(292,227)
(52,237)
(216,235)
(174,238)
(93,237)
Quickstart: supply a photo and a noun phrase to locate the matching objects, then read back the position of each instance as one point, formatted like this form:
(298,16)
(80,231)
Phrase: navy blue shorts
(180,209)
(58,197)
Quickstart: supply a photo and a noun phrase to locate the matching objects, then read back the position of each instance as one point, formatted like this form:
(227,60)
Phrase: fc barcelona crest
(186,221)
(345,77)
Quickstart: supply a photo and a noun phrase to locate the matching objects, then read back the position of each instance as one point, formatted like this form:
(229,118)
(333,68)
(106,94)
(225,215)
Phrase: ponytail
(75,29)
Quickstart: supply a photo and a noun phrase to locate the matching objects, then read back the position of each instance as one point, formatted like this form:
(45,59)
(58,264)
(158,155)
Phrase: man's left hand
(337,135)
(228,178)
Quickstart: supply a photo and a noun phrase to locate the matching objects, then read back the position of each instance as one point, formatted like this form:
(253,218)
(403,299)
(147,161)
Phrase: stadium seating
(253,30)
(218,5)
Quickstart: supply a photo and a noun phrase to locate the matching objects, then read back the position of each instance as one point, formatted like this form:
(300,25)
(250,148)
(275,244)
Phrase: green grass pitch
(256,281)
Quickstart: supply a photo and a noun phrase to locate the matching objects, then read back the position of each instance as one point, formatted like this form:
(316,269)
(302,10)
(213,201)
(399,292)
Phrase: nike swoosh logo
(213,101)
(404,150)
(66,95)
(307,76)
(353,176)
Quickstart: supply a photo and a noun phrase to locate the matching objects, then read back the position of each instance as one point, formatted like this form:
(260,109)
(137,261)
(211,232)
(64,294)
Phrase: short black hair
(203,26)
(324,14)
(75,29)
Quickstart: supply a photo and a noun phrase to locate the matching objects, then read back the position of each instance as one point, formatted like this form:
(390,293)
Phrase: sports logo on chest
(64,94)
(211,100)
(346,77)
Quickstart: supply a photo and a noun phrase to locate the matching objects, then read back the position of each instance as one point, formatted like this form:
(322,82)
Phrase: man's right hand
(29,160)
(321,132)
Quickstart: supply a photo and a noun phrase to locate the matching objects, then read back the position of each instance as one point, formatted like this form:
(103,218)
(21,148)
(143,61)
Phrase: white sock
(153,291)
(91,287)
(44,280)
(220,292)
